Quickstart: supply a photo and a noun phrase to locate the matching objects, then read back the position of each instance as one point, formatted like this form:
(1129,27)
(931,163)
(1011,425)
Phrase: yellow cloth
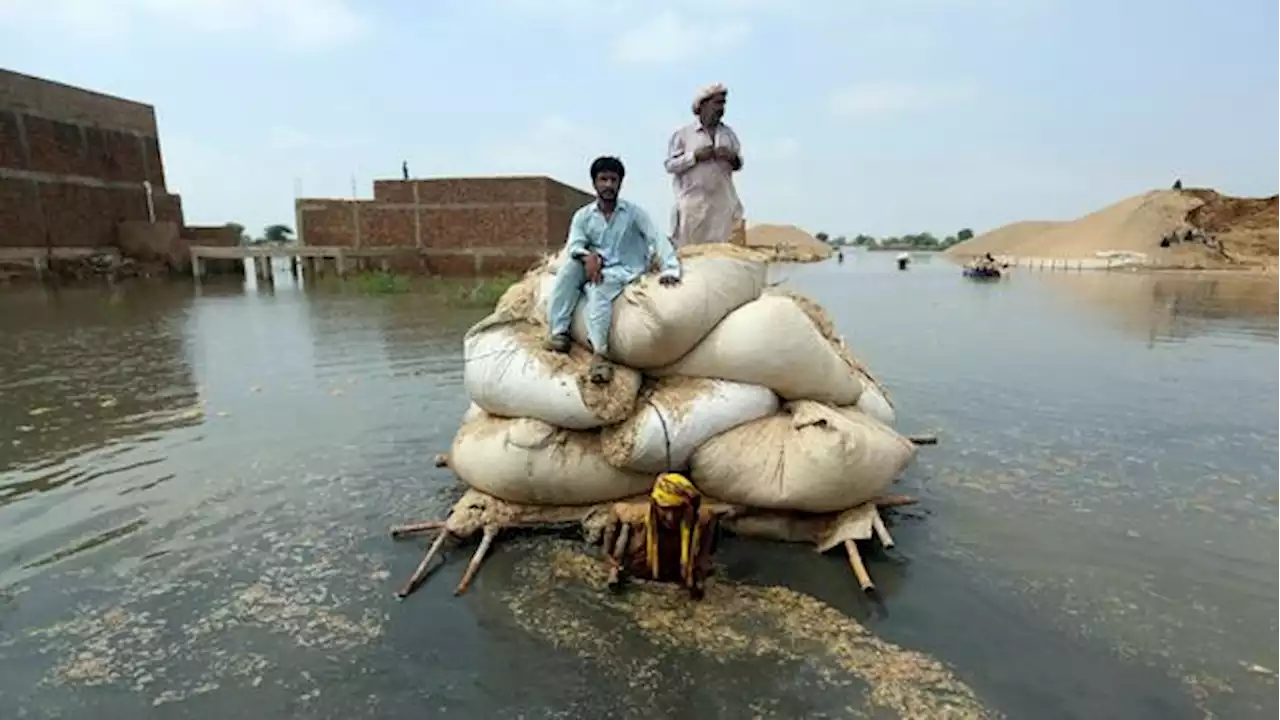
(672,491)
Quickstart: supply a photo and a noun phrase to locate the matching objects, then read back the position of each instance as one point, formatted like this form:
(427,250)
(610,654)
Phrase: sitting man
(679,537)
(611,243)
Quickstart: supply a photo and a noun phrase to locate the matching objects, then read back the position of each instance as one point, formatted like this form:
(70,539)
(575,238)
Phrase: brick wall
(212,235)
(65,102)
(456,226)
(73,163)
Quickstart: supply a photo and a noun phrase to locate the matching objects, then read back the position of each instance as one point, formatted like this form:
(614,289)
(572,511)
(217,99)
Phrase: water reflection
(85,369)
(1176,307)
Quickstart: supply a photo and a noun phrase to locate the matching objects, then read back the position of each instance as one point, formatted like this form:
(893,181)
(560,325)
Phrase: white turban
(707,93)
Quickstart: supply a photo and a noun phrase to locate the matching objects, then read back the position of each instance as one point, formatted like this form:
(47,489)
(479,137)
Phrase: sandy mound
(1135,224)
(1004,240)
(1246,227)
(787,243)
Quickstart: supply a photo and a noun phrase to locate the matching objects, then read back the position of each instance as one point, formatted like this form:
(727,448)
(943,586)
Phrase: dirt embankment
(787,243)
(1247,227)
(1229,232)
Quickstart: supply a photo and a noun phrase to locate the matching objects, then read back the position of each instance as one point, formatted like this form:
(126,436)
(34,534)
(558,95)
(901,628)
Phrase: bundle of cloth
(743,389)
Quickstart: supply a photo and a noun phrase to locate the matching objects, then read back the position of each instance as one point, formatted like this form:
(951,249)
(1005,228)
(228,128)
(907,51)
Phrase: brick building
(73,164)
(450,226)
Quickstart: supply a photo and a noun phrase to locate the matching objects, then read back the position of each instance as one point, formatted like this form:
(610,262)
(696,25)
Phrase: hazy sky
(885,117)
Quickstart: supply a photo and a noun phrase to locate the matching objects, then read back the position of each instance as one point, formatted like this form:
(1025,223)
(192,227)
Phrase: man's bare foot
(601,371)
(558,343)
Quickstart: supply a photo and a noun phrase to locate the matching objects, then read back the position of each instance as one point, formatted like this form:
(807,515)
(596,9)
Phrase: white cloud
(670,38)
(863,101)
(554,145)
(293,24)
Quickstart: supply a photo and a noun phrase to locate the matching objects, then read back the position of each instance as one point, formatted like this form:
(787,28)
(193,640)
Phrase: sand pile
(1003,240)
(787,243)
(1246,227)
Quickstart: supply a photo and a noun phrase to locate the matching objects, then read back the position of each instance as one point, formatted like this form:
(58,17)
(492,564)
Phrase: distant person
(702,158)
(1177,184)
(611,242)
(840,257)
(404,169)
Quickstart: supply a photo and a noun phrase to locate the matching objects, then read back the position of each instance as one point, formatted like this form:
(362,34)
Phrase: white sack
(808,457)
(772,342)
(655,325)
(528,461)
(873,402)
(682,413)
(507,372)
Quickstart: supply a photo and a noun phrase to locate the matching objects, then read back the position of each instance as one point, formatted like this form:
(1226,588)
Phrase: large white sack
(655,325)
(507,372)
(772,342)
(677,416)
(809,457)
(874,399)
(528,461)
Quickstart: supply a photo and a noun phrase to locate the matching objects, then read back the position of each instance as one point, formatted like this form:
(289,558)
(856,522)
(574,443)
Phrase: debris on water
(1133,534)
(1257,669)
(36,412)
(140,641)
(107,401)
(556,598)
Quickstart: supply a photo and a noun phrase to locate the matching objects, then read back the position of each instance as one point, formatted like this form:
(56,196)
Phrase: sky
(856,116)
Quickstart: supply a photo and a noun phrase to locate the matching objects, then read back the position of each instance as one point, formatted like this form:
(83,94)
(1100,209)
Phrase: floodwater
(195,487)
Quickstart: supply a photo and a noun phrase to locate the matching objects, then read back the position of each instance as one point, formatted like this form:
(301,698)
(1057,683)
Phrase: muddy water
(195,486)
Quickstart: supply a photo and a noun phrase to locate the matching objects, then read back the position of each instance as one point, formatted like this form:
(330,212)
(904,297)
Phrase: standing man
(611,242)
(404,169)
(702,158)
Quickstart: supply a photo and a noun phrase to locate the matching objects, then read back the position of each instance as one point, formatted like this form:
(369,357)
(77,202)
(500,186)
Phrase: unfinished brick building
(74,164)
(449,226)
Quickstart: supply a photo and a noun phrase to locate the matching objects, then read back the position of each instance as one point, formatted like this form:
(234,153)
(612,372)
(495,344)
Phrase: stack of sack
(746,388)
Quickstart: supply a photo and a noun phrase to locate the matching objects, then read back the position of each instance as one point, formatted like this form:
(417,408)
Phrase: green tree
(862,239)
(822,237)
(964,234)
(242,237)
(277,234)
(840,241)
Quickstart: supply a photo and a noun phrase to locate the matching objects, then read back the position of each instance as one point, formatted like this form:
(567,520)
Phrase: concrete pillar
(340,263)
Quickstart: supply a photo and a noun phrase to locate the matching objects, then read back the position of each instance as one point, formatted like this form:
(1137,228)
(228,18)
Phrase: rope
(666,434)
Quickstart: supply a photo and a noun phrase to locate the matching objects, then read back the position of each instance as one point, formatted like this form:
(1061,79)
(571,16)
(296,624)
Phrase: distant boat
(983,273)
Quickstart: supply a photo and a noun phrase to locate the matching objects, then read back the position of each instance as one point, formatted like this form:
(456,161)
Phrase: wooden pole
(859,570)
(421,571)
(490,533)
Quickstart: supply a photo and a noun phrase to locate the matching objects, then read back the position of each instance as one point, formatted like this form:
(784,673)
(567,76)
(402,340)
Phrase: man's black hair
(607,163)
